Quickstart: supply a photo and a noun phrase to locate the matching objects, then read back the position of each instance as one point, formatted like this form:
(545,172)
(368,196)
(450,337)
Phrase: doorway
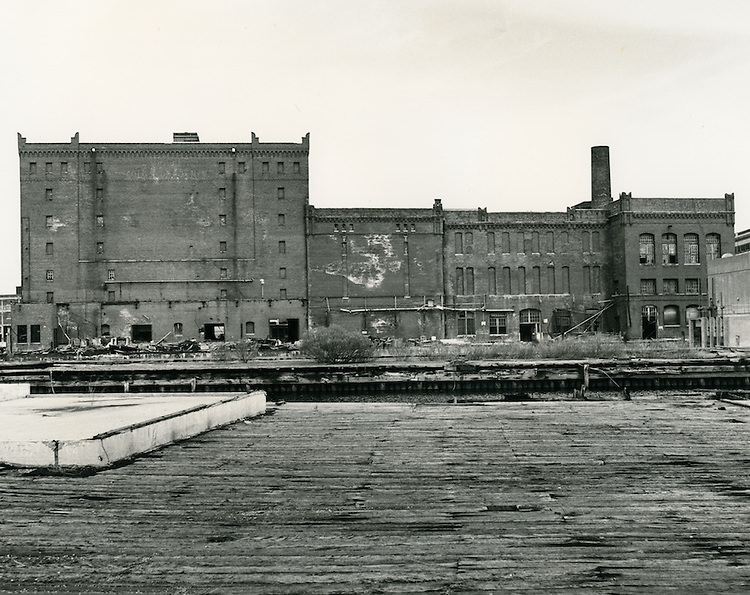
(649,323)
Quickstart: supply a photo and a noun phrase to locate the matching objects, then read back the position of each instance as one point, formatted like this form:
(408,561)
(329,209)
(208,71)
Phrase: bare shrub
(336,345)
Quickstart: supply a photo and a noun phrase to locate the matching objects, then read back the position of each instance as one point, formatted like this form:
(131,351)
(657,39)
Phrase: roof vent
(185,137)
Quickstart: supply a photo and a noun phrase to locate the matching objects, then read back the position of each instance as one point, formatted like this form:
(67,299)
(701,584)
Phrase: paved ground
(651,495)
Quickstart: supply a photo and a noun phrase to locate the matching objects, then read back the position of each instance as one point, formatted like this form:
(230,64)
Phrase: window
(692,286)
(282,273)
(36,333)
(587,279)
(100,247)
(670,286)
(280,167)
(646,248)
(48,193)
(222,168)
(586,241)
(50,276)
(111,296)
(48,221)
(490,242)
(466,323)
(32,167)
(282,247)
(110,274)
(222,247)
(713,246)
(222,219)
(550,241)
(669,248)
(491,281)
(692,253)
(222,294)
(280,194)
(498,323)
(459,281)
(595,241)
(648,286)
(49,248)
(22,333)
(530,316)
(469,243)
(507,285)
(63,167)
(551,288)
(222,273)
(50,297)
(282,294)
(535,242)
(241,167)
(596,283)
(99,167)
(282,219)
(505,242)
(459,242)
(177,329)
(522,280)
(264,167)
(469,281)
(100,194)
(105,330)
(564,238)
(295,167)
(100,220)
(525,241)
(222,193)
(48,167)
(671,316)
(566,279)
(86,167)
(536,280)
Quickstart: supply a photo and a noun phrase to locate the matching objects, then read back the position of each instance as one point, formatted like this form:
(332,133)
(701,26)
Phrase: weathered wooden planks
(641,496)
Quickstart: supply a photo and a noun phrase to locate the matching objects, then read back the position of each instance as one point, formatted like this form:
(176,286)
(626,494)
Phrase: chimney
(601,188)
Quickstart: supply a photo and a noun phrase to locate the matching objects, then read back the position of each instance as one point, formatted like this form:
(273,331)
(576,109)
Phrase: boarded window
(459,242)
(49,248)
(222,247)
(671,316)
(507,284)
(505,242)
(491,281)
(550,242)
(249,327)
(469,280)
(551,287)
(522,288)
(459,281)
(282,247)
(222,167)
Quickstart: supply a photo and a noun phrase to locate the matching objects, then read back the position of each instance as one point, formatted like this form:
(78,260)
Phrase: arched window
(646,248)
(249,327)
(692,252)
(713,246)
(105,330)
(671,316)
(669,248)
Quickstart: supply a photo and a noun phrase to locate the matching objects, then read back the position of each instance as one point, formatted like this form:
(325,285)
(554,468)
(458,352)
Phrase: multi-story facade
(162,241)
(218,242)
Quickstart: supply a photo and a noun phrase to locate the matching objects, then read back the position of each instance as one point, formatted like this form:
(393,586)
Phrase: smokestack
(601,187)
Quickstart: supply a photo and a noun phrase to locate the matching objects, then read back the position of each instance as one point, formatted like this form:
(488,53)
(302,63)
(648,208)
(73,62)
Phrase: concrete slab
(98,430)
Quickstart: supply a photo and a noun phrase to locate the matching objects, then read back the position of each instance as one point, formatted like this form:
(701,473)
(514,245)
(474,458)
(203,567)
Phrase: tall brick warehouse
(218,241)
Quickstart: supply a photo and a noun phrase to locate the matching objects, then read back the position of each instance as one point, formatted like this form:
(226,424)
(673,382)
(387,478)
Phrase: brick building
(217,241)
(145,241)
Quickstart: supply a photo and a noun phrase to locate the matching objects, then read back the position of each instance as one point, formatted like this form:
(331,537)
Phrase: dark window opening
(286,331)
(36,333)
(141,333)
(213,332)
(22,333)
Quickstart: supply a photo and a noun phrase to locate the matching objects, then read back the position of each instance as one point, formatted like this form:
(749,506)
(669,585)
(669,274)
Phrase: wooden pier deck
(644,496)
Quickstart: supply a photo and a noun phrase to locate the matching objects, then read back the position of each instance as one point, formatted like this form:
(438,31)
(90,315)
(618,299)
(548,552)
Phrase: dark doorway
(213,331)
(648,322)
(530,324)
(284,330)
(141,333)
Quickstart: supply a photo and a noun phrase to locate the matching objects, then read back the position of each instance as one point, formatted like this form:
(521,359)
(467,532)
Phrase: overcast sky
(483,103)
